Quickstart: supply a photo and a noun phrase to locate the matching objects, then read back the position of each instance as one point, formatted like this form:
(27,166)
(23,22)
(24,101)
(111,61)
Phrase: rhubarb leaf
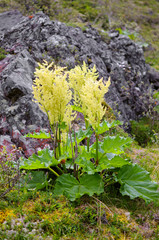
(70,187)
(136,182)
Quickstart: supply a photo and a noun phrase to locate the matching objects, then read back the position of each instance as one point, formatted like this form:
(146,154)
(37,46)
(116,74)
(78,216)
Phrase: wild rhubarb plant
(81,169)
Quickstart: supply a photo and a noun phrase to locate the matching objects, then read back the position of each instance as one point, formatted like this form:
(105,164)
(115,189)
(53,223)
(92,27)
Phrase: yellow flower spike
(92,95)
(52,92)
(77,78)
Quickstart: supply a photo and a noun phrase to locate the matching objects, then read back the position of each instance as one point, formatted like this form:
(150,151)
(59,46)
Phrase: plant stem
(59,143)
(76,155)
(56,139)
(71,143)
(53,140)
(72,153)
(88,139)
(52,129)
(97,160)
(53,172)
(59,169)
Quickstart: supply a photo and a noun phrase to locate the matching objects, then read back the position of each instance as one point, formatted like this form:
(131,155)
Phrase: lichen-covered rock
(34,39)
(10,19)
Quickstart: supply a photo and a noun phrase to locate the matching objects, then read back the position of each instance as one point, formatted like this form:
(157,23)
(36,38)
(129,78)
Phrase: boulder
(10,19)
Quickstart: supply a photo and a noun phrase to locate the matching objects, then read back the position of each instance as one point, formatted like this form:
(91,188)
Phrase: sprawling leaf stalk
(57,175)
(59,142)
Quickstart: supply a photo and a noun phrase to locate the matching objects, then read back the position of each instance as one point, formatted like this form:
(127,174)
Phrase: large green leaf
(136,182)
(106,162)
(35,180)
(114,144)
(83,161)
(69,186)
(105,126)
(41,135)
(82,134)
(115,162)
(44,159)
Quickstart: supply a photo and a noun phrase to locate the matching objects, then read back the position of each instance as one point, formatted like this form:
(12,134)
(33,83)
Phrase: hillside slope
(139,19)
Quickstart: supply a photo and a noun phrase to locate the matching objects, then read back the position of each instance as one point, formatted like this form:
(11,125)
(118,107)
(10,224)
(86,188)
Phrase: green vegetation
(146,130)
(33,214)
(2,53)
(88,8)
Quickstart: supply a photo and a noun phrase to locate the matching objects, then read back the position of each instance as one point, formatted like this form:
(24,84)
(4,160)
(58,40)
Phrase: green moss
(2,53)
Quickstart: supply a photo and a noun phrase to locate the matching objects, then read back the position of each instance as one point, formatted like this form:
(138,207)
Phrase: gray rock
(17,77)
(10,19)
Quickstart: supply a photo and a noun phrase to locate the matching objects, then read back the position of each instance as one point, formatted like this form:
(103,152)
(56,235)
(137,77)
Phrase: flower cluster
(78,77)
(89,93)
(52,92)
(92,95)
